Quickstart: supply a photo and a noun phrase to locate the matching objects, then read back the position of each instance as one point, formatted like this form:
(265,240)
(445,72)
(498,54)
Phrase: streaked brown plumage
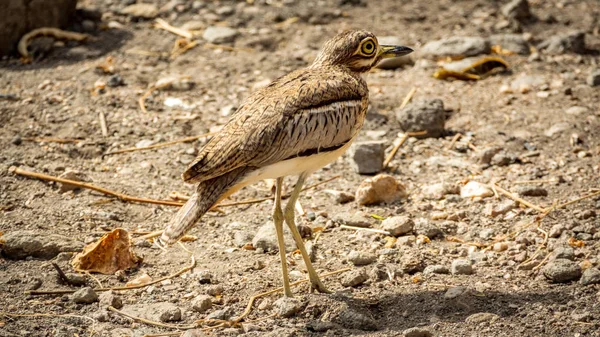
(294,126)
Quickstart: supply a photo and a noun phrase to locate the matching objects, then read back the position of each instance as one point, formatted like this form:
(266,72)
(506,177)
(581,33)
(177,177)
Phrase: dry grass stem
(52,140)
(162,24)
(149,322)
(408,97)
(518,199)
(47,31)
(454,140)
(103,126)
(372,230)
(403,139)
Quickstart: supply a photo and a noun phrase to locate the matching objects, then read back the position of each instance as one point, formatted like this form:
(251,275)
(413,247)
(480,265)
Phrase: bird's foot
(319,286)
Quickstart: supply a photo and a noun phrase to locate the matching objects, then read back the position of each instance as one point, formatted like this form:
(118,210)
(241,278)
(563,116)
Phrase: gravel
(109,298)
(398,225)
(85,295)
(352,219)
(562,270)
(461,267)
(266,238)
(424,115)
(590,276)
(358,258)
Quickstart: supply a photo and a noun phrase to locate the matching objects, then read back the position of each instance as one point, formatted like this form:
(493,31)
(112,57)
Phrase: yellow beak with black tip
(393,51)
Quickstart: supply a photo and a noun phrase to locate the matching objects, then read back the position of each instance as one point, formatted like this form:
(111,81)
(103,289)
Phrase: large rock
(18,17)
(426,115)
(21,244)
(573,42)
(367,157)
(456,46)
(562,270)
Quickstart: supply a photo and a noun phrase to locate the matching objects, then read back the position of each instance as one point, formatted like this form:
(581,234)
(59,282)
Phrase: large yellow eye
(368,47)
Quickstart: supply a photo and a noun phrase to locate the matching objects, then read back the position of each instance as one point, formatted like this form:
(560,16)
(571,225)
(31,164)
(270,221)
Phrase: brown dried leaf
(108,255)
(575,243)
(471,69)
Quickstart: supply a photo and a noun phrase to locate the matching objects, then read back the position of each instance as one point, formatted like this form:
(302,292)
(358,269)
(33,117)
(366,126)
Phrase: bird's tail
(207,194)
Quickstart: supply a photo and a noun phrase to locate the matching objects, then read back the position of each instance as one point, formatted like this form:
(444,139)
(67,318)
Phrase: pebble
(367,157)
(556,230)
(144,143)
(85,295)
(319,326)
(485,155)
(141,10)
(354,278)
(474,189)
(461,267)
(517,10)
(487,233)
(16,140)
(424,115)
(526,83)
(562,270)
(194,333)
(215,290)
(114,81)
(503,158)
(482,317)
(500,246)
(222,314)
(353,319)
(352,219)
(531,191)
(424,227)
(395,62)
(593,78)
(108,298)
(266,238)
(590,276)
(501,208)
(382,188)
(241,238)
(360,258)
(406,241)
(193,25)
(511,42)
(557,128)
(456,292)
(398,225)
(76,279)
(19,245)
(341,197)
(417,332)
(572,42)
(439,190)
(436,269)
(567,253)
(218,34)
(287,306)
(201,303)
(456,46)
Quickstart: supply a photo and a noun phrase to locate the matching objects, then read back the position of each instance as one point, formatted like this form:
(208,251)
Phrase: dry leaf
(416,279)
(188,238)
(575,243)
(471,69)
(142,279)
(108,255)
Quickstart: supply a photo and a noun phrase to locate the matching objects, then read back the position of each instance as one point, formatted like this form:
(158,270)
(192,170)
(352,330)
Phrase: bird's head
(358,50)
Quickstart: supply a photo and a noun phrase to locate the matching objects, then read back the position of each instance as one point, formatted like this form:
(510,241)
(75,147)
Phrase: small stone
(287,306)
(562,270)
(241,238)
(502,208)
(578,110)
(424,227)
(482,317)
(109,299)
(265,304)
(266,238)
(531,191)
(511,42)
(170,313)
(439,190)
(436,269)
(500,246)
(194,333)
(35,284)
(590,276)
(319,326)
(16,140)
(360,259)
(21,244)
(72,175)
(487,233)
(503,159)
(225,11)
(563,253)
(114,81)
(411,263)
(367,157)
(474,189)
(296,275)
(201,303)
(341,197)
(218,34)
(382,188)
(88,26)
(406,241)
(573,42)
(395,62)
(425,115)
(76,279)
(203,276)
(461,267)
(353,319)
(485,155)
(398,225)
(517,10)
(456,292)
(354,278)
(215,290)
(222,314)
(85,295)
(141,10)
(144,143)
(352,219)
(456,46)
(417,332)
(593,78)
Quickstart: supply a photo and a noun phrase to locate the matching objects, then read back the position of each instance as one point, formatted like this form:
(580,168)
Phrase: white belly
(295,166)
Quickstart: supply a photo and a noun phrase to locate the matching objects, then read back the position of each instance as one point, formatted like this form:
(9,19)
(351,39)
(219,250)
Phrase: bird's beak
(393,51)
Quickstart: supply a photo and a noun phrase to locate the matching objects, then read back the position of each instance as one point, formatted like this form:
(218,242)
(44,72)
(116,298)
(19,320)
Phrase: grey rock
(354,278)
(517,10)
(425,115)
(341,197)
(436,269)
(287,306)
(141,10)
(487,233)
(169,313)
(590,276)
(114,81)
(503,158)
(593,78)
(563,253)
(482,317)
(109,299)
(556,230)
(581,316)
(215,290)
(266,238)
(222,314)
(201,303)
(411,263)
(218,34)
(352,219)
(562,270)
(461,267)
(573,42)
(21,244)
(194,333)
(379,272)
(398,225)
(428,229)
(456,292)
(76,279)
(241,238)
(485,155)
(531,191)
(557,129)
(85,295)
(439,190)
(360,258)
(320,326)
(417,332)
(203,276)
(456,46)
(406,241)
(16,140)
(511,42)
(159,311)
(396,62)
(352,319)
(367,157)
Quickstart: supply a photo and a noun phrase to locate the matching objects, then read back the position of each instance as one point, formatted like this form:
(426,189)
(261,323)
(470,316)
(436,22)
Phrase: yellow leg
(278,220)
(289,215)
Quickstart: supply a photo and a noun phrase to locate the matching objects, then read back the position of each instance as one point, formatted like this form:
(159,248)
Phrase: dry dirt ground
(548,131)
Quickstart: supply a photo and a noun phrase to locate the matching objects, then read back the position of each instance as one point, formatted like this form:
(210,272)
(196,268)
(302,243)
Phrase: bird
(297,124)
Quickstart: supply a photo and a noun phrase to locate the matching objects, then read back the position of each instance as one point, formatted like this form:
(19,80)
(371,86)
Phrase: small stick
(518,182)
(454,140)
(61,274)
(542,262)
(578,199)
(120,196)
(408,97)
(52,140)
(94,278)
(103,123)
(181,48)
(403,139)
(46,31)
(520,200)
(147,321)
(165,144)
(162,24)
(156,87)
(373,230)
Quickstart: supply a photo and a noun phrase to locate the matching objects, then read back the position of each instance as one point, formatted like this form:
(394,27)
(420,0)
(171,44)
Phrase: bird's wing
(303,113)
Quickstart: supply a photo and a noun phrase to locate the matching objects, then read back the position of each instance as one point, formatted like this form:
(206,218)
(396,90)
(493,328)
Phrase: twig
(61,274)
(162,24)
(46,31)
(94,278)
(408,97)
(373,230)
(542,262)
(156,87)
(520,200)
(181,46)
(165,144)
(147,321)
(577,200)
(454,140)
(228,48)
(120,196)
(52,140)
(403,139)
(103,123)
(253,298)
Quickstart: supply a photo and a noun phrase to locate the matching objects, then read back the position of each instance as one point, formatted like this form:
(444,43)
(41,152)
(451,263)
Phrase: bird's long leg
(291,222)
(278,220)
